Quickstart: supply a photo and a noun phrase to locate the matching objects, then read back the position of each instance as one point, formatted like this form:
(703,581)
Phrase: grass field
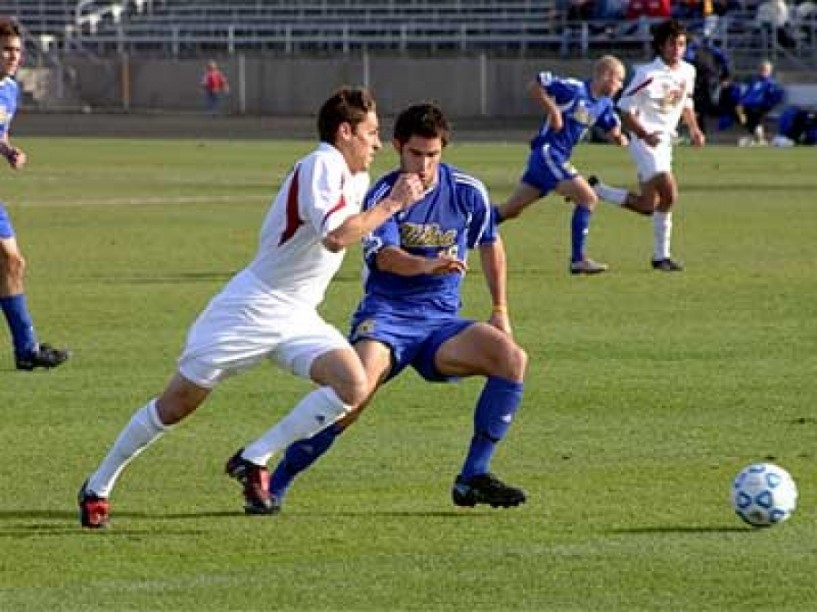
(646,394)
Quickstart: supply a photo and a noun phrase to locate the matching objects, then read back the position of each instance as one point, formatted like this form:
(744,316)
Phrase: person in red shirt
(215,86)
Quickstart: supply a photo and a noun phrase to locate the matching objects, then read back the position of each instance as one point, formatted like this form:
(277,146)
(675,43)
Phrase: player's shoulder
(461,178)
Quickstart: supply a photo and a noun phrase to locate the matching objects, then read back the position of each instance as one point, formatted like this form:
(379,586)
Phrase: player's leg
(180,398)
(28,353)
(578,190)
(643,202)
(520,199)
(482,350)
(666,190)
(300,455)
(314,350)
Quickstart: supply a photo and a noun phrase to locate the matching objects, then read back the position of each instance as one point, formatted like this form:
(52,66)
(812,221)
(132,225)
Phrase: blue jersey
(9,95)
(451,218)
(763,93)
(580,111)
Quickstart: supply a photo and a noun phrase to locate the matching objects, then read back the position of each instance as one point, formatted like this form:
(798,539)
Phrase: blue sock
(498,402)
(20,324)
(579,227)
(299,456)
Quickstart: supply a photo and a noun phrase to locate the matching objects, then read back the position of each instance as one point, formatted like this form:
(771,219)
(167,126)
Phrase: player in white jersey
(269,309)
(658,96)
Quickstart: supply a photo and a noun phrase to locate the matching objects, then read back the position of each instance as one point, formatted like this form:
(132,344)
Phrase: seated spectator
(761,95)
(796,126)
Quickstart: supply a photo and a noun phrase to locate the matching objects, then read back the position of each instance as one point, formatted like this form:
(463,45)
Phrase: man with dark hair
(651,106)
(409,315)
(269,309)
(28,352)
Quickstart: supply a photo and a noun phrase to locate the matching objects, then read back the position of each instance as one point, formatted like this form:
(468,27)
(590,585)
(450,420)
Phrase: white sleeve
(321,196)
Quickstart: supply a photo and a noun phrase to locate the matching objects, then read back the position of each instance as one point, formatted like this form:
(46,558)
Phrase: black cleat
(667,265)
(593,180)
(255,480)
(43,356)
(94,511)
(486,489)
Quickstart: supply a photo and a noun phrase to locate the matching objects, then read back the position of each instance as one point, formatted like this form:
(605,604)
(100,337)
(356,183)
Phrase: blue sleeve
(482,228)
(558,89)
(608,119)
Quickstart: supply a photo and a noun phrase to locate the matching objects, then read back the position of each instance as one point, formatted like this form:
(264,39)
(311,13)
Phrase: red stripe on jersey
(293,220)
(341,203)
(640,87)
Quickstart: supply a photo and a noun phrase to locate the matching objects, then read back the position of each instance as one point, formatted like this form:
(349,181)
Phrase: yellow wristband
(499,308)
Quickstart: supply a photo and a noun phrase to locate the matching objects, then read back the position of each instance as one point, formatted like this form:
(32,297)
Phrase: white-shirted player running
(658,96)
(269,309)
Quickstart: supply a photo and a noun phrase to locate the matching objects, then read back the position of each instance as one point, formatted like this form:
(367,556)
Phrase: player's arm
(398,261)
(495,270)
(696,135)
(406,191)
(633,125)
(548,105)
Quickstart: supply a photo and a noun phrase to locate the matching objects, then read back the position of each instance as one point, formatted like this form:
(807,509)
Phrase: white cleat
(587,266)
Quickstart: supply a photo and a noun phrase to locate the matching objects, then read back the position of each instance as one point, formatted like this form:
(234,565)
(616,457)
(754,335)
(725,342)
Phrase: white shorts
(650,161)
(245,324)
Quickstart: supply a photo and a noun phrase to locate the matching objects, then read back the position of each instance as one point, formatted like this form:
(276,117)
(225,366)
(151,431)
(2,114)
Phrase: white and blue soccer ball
(764,494)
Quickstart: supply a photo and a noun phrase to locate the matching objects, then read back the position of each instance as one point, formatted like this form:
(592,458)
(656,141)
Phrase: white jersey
(319,194)
(658,94)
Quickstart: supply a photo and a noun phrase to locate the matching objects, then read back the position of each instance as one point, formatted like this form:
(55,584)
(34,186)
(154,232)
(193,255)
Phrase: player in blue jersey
(571,107)
(409,315)
(28,352)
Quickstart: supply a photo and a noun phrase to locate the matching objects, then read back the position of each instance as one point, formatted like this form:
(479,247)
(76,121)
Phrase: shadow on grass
(680,529)
(165,279)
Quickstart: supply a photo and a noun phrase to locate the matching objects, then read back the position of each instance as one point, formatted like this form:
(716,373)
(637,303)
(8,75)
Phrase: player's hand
(500,320)
(407,190)
(698,138)
(445,264)
(620,139)
(652,139)
(15,157)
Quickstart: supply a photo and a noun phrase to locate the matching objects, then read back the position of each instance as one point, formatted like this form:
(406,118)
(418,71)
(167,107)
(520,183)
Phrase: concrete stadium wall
(465,86)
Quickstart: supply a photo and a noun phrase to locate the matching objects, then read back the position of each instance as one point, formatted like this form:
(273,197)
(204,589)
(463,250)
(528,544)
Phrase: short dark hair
(9,27)
(347,105)
(662,32)
(426,120)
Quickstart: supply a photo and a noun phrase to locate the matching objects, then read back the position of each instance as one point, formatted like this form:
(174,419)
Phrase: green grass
(646,394)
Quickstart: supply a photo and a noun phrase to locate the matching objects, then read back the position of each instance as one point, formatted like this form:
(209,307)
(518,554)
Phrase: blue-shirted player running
(28,353)
(409,313)
(571,107)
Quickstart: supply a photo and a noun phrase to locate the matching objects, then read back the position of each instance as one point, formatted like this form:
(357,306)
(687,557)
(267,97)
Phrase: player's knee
(514,362)
(352,389)
(14,268)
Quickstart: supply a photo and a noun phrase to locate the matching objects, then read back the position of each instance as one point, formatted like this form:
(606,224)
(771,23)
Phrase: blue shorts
(413,342)
(546,170)
(6,229)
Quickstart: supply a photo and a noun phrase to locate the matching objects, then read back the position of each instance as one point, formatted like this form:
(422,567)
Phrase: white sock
(313,413)
(143,429)
(613,195)
(662,233)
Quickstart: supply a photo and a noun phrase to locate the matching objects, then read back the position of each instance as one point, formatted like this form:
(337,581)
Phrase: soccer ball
(764,494)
